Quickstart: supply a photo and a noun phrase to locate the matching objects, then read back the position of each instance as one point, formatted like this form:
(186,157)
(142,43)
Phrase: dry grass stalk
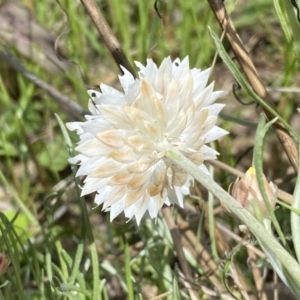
(251,74)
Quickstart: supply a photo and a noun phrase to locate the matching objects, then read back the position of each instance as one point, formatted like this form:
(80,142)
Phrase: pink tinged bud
(4,263)
(246,191)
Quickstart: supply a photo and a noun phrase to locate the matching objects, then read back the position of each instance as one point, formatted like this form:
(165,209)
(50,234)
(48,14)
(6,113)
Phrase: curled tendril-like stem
(243,154)
(156,9)
(294,3)
(236,87)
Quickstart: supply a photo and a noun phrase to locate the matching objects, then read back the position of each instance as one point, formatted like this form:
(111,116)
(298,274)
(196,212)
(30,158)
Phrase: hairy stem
(273,247)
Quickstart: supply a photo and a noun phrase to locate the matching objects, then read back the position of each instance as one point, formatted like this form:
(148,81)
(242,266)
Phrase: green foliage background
(55,244)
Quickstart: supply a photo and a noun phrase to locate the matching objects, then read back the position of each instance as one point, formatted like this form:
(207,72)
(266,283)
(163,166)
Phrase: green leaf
(55,156)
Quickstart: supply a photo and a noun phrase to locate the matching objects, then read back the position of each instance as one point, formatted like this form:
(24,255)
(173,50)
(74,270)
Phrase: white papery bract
(119,142)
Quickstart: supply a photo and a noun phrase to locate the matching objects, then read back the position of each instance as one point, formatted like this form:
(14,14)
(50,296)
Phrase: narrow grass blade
(128,269)
(258,164)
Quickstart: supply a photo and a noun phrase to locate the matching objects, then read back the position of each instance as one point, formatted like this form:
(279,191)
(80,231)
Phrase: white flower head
(118,145)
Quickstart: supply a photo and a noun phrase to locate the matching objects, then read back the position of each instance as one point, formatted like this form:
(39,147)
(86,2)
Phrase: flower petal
(120,141)
(107,168)
(112,138)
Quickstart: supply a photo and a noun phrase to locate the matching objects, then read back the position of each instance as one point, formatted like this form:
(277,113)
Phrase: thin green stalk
(48,291)
(236,120)
(226,270)
(143,28)
(5,98)
(96,275)
(57,271)
(76,263)
(48,265)
(283,20)
(10,241)
(20,203)
(294,25)
(127,268)
(296,211)
(258,164)
(74,288)
(67,258)
(121,24)
(86,230)
(63,265)
(57,243)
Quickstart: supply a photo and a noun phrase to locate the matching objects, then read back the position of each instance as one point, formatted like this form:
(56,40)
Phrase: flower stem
(266,239)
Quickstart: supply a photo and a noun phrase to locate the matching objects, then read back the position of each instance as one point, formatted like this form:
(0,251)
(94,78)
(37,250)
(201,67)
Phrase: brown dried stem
(203,257)
(251,74)
(107,35)
(66,103)
(224,248)
(258,280)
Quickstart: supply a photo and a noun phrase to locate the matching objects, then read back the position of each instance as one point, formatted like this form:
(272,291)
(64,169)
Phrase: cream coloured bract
(119,142)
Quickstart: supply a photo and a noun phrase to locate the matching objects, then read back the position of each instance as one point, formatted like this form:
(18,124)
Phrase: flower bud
(246,191)
(4,263)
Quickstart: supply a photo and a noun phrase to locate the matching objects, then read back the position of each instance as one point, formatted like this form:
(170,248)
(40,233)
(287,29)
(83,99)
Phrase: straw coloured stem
(295,218)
